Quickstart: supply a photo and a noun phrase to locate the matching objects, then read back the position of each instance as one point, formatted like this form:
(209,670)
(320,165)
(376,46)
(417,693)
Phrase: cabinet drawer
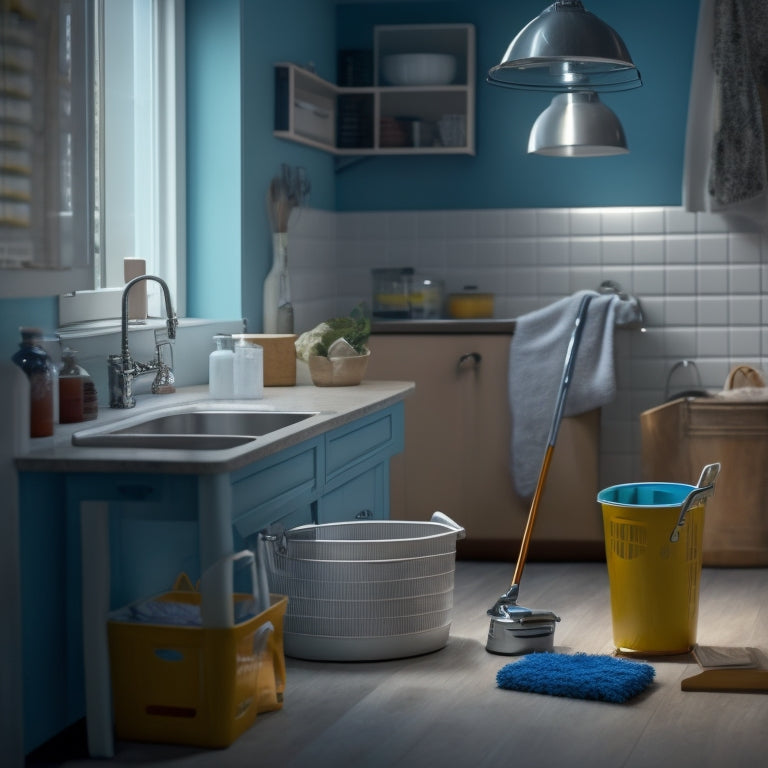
(289,477)
(361,441)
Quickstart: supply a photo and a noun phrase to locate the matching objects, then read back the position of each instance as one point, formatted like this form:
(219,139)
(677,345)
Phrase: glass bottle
(77,393)
(34,361)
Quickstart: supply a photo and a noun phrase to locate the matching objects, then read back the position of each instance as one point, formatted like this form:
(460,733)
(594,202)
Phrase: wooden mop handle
(570,360)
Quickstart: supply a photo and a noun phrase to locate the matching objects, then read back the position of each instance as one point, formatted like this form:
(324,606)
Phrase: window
(138,182)
(44,138)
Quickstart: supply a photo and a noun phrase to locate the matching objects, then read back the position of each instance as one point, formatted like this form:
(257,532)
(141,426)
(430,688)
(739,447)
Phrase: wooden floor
(444,709)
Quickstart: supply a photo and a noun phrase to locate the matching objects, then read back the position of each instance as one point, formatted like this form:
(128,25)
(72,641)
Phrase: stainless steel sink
(192,430)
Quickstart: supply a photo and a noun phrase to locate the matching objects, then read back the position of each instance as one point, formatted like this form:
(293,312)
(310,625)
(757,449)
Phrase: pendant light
(566,48)
(577,125)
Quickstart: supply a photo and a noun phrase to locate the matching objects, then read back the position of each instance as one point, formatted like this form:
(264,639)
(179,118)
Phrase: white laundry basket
(365,590)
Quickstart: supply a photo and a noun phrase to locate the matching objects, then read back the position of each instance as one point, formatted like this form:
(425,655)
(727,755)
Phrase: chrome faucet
(123,369)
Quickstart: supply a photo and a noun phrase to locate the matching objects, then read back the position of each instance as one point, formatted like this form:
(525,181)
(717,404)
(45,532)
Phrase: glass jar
(34,361)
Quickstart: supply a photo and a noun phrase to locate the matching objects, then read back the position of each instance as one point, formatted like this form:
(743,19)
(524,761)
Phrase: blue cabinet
(154,526)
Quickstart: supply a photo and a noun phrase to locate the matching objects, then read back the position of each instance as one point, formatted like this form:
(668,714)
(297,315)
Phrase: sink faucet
(123,369)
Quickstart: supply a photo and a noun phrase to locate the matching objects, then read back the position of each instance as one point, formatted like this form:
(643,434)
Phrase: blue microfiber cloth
(580,676)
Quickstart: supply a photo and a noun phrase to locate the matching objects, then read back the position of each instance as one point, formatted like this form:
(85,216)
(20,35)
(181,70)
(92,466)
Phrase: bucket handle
(704,489)
(443,519)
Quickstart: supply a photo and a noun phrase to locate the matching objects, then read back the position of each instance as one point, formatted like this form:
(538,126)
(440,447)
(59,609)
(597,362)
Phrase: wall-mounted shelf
(385,119)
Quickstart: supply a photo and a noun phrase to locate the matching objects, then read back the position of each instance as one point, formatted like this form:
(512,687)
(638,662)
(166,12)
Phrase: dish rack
(365,590)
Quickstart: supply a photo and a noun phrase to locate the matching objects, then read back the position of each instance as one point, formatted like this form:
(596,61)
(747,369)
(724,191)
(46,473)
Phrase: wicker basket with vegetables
(336,350)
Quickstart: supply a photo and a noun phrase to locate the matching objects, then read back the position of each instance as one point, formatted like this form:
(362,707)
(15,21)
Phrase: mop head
(580,676)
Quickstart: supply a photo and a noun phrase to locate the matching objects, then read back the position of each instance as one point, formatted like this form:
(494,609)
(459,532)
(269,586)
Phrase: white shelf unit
(348,121)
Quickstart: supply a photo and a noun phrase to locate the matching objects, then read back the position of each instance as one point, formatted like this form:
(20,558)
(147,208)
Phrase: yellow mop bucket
(653,546)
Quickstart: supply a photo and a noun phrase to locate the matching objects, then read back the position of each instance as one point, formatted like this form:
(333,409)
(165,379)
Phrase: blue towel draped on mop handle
(536,358)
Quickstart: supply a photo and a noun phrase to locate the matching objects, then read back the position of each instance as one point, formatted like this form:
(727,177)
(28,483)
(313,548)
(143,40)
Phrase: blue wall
(213,158)
(232,46)
(231,153)
(42,312)
(660,36)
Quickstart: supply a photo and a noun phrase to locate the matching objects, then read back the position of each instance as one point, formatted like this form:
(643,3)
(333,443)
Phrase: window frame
(88,302)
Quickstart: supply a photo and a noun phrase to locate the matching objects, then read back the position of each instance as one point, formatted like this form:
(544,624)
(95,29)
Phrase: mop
(516,630)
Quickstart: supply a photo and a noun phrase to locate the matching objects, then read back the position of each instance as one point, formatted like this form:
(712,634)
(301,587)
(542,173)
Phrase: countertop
(444,325)
(335,406)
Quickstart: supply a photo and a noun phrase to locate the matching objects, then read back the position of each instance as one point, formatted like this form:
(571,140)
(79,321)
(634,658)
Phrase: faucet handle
(165,381)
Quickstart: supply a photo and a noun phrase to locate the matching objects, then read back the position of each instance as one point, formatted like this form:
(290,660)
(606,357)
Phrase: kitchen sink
(192,430)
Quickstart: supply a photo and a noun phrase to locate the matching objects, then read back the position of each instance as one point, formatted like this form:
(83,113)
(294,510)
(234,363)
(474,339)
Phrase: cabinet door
(365,497)
(457,449)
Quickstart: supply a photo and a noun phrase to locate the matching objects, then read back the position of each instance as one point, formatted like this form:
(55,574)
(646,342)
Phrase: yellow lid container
(470,304)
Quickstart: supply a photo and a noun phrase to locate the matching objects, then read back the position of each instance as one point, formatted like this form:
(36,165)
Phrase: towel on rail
(536,362)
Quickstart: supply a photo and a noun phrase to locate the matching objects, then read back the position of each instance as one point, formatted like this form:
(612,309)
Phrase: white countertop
(335,406)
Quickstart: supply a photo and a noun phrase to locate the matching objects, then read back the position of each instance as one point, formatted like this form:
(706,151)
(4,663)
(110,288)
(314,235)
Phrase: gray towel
(536,361)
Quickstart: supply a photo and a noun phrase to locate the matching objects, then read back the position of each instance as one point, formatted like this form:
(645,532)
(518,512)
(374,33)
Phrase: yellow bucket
(654,582)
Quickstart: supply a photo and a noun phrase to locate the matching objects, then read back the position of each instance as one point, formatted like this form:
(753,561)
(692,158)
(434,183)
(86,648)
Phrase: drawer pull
(476,357)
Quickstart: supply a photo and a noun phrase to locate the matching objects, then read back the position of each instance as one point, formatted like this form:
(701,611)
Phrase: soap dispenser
(249,370)
(221,368)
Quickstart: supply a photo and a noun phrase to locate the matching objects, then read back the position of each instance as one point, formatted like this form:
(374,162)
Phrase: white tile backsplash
(702,281)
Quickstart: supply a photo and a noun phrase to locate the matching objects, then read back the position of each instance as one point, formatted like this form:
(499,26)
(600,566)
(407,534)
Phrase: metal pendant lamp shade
(577,125)
(566,48)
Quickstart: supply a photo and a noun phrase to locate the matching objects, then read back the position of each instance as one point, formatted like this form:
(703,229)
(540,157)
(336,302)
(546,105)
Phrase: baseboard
(551,551)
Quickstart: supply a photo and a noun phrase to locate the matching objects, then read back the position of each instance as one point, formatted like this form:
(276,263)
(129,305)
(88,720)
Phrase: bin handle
(704,489)
(213,613)
(443,519)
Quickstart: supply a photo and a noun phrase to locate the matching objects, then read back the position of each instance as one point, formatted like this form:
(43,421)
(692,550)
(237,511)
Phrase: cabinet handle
(474,356)
(364,514)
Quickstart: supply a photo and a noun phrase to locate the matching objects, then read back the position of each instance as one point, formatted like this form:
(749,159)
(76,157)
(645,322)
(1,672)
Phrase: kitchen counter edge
(336,406)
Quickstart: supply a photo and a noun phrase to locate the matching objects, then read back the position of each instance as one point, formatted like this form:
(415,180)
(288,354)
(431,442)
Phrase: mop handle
(570,360)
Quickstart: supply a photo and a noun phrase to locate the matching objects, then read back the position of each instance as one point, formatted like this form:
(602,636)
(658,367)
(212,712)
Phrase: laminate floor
(444,709)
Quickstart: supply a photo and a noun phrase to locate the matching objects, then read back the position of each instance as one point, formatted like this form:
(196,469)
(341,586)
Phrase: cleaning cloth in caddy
(536,362)
(580,676)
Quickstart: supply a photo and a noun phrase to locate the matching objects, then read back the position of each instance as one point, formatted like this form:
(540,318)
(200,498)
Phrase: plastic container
(34,361)
(194,685)
(470,304)
(221,368)
(248,370)
(391,292)
(426,298)
(654,582)
(78,400)
(279,356)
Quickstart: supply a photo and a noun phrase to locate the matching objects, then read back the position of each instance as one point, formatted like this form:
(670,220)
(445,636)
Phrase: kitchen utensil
(515,629)
(426,298)
(419,68)
(470,304)
(453,130)
(391,292)
(338,371)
